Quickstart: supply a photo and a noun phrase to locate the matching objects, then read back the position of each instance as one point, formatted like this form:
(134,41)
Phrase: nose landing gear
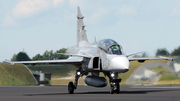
(114,81)
(114,88)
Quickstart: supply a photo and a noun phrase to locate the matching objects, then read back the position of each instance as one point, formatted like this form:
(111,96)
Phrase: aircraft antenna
(95,40)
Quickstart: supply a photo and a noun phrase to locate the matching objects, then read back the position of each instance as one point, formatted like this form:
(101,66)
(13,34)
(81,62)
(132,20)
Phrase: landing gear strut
(114,81)
(72,86)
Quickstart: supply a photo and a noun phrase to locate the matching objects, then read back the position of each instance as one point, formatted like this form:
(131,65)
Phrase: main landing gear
(115,87)
(72,86)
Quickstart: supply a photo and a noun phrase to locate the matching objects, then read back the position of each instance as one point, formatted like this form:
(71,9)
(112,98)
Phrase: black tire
(117,90)
(111,90)
(70,88)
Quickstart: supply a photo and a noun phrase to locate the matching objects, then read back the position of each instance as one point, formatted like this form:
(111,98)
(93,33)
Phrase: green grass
(168,76)
(160,70)
(134,65)
(15,75)
(168,82)
(165,74)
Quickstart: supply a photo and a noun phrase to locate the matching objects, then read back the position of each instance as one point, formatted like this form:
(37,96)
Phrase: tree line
(47,55)
(165,52)
(162,52)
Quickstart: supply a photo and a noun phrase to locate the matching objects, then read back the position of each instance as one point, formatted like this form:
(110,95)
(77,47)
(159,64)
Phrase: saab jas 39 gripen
(106,57)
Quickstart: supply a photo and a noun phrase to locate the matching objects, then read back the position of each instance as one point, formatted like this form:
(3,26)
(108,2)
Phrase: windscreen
(110,46)
(115,49)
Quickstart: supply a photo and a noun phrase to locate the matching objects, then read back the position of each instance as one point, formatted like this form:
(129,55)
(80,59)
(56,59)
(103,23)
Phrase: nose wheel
(114,88)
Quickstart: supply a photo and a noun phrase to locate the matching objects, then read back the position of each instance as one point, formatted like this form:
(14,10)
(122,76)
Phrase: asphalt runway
(86,93)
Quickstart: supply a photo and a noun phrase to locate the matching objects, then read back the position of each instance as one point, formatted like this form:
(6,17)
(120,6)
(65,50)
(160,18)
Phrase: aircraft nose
(120,64)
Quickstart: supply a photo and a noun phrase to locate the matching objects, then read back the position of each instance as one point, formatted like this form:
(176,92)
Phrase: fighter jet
(106,57)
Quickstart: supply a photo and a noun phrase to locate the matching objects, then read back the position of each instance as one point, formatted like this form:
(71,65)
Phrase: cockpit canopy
(110,46)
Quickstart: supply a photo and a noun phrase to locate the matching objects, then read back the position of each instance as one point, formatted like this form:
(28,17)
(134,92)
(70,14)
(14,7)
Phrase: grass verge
(15,75)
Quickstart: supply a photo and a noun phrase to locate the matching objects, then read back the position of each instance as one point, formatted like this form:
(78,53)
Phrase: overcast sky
(39,25)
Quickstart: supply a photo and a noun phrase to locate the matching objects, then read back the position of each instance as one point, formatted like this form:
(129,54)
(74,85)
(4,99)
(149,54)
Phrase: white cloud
(176,11)
(8,19)
(127,10)
(26,8)
(9,22)
(29,8)
(57,2)
(67,15)
(74,2)
(98,14)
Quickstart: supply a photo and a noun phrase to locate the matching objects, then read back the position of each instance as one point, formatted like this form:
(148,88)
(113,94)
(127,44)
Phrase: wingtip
(162,57)
(7,62)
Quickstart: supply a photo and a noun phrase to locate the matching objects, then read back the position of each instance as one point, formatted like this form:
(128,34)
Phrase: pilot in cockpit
(114,50)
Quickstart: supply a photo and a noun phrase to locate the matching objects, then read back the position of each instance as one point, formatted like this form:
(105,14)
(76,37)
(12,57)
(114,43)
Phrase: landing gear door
(96,62)
(104,61)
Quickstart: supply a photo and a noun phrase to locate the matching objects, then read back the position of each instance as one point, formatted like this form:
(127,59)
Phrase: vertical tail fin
(82,40)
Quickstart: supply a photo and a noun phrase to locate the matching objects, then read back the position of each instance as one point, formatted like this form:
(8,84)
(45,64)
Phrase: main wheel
(70,88)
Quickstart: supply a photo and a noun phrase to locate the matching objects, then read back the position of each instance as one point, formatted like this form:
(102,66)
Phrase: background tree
(144,55)
(176,52)
(22,56)
(140,56)
(162,52)
(60,56)
(51,55)
(48,55)
(37,57)
(14,58)
(136,56)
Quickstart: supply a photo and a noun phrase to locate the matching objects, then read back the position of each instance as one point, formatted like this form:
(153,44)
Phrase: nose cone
(120,64)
